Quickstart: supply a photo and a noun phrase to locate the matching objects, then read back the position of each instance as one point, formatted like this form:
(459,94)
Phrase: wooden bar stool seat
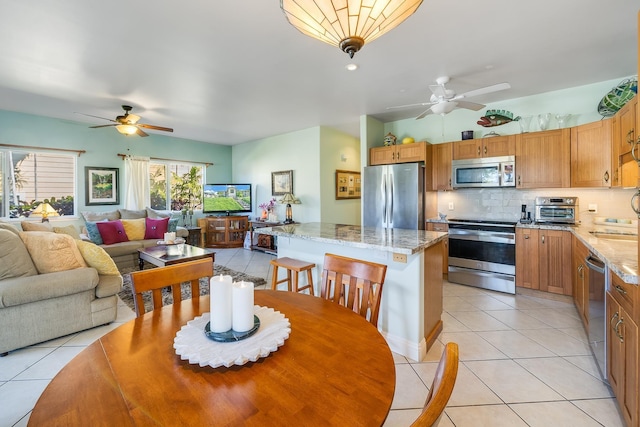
(292,265)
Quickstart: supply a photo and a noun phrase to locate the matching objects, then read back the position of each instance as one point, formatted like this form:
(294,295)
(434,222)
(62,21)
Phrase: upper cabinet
(484,147)
(591,155)
(441,166)
(403,153)
(543,159)
(626,124)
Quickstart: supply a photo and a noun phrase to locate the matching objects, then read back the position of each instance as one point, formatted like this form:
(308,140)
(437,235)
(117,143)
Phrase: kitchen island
(411,305)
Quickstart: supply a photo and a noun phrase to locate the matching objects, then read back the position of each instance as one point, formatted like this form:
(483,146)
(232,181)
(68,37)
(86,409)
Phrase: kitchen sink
(615,236)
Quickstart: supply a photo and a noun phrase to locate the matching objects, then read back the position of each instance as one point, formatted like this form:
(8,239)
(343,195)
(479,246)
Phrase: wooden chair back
(156,279)
(441,388)
(354,283)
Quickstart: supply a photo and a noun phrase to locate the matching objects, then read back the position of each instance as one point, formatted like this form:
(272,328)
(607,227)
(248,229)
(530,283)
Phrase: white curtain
(136,172)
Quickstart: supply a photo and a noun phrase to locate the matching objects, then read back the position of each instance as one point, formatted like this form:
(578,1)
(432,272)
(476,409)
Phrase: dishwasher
(597,311)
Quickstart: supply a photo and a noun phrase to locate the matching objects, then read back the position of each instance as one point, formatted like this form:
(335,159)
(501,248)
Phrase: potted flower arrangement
(267,207)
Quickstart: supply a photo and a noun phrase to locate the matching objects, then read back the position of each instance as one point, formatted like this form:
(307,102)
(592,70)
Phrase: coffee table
(159,255)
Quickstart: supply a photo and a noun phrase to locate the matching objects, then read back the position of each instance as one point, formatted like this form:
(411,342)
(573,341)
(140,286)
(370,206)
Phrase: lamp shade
(44,210)
(127,129)
(348,24)
(288,198)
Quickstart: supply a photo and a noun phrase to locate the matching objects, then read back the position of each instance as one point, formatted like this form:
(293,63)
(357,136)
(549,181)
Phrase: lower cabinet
(443,228)
(622,348)
(543,260)
(224,231)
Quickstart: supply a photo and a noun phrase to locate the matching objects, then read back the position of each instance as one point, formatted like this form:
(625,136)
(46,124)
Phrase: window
(30,178)
(183,189)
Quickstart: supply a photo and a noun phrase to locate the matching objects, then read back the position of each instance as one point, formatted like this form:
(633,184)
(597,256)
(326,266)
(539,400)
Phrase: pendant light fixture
(348,24)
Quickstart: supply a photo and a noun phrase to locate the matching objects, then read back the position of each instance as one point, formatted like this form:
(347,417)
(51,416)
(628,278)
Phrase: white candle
(169,237)
(242,313)
(220,296)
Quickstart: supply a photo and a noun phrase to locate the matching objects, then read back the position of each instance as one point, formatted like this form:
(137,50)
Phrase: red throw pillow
(155,228)
(112,232)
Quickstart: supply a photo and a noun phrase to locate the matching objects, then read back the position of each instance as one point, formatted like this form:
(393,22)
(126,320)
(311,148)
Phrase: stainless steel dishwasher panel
(597,311)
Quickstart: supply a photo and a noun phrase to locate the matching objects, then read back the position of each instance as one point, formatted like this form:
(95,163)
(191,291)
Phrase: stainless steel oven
(597,329)
(483,254)
(556,210)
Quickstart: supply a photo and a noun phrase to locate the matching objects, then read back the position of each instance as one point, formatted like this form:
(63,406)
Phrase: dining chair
(354,283)
(156,279)
(441,388)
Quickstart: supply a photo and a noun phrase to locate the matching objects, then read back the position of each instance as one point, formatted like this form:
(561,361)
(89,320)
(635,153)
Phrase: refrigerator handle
(384,200)
(390,215)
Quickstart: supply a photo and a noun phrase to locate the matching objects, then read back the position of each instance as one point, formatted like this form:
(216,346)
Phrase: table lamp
(288,198)
(44,210)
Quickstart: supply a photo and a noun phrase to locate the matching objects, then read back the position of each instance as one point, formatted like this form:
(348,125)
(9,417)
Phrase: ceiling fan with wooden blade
(444,100)
(127,124)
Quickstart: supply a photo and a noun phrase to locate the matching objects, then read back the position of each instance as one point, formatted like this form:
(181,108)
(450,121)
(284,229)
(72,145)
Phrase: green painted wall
(581,102)
(297,151)
(338,151)
(103,145)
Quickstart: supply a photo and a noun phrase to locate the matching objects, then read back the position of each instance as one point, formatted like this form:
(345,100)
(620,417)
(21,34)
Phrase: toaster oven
(563,210)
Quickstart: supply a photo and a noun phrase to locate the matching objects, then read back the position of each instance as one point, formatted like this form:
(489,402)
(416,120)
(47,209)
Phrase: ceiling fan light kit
(347,24)
(127,124)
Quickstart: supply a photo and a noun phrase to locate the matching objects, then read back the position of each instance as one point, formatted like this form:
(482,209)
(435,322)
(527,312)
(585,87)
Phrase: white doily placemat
(193,345)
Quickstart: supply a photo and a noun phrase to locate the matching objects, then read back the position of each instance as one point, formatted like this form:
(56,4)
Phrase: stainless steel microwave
(484,172)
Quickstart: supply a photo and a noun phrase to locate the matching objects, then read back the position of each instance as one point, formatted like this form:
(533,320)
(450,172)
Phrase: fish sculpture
(496,118)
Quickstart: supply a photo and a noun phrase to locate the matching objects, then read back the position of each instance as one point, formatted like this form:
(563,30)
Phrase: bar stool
(292,265)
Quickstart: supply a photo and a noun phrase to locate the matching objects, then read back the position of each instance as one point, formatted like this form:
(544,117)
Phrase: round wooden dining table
(335,369)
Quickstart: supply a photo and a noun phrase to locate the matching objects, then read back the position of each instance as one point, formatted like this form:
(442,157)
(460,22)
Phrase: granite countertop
(401,241)
(621,256)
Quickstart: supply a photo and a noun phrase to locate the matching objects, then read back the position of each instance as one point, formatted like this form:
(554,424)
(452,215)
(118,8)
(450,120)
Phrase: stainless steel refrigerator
(393,196)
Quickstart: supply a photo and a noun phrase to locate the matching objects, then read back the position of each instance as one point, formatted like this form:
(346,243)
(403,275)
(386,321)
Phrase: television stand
(224,231)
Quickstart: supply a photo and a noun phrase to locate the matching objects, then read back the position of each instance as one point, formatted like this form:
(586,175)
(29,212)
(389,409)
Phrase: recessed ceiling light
(351,67)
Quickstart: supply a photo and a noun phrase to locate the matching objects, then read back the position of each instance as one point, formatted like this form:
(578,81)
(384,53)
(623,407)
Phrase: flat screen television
(226,198)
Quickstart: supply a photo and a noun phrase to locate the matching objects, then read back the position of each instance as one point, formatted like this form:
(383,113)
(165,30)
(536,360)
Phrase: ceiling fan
(445,100)
(127,124)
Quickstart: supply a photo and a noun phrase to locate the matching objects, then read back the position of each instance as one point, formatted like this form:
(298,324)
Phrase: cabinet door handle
(620,290)
(606,176)
(580,272)
(615,329)
(630,137)
(526,236)
(478,150)
(485,150)
(634,144)
(613,319)
(519,183)
(543,239)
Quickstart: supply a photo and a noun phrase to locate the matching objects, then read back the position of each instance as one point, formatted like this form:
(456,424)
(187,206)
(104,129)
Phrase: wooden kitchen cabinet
(403,153)
(622,347)
(580,280)
(527,265)
(443,228)
(485,147)
(543,159)
(555,261)
(623,136)
(591,164)
(543,260)
(626,122)
(441,166)
(225,231)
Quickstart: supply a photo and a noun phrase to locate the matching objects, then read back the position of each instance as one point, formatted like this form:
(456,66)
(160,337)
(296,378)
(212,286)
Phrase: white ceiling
(233,71)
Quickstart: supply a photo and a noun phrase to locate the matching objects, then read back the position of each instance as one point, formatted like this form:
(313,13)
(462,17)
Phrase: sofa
(52,285)
(136,226)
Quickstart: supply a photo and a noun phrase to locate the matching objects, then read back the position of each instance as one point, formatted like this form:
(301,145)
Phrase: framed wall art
(348,185)
(101,186)
(281,183)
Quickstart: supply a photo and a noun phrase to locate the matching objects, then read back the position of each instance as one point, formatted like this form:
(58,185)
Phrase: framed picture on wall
(281,183)
(348,185)
(101,186)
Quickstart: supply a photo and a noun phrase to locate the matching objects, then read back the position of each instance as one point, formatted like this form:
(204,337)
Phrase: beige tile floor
(524,361)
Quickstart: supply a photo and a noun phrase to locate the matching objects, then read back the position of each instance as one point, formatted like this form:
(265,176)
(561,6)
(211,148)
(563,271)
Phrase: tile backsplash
(505,204)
